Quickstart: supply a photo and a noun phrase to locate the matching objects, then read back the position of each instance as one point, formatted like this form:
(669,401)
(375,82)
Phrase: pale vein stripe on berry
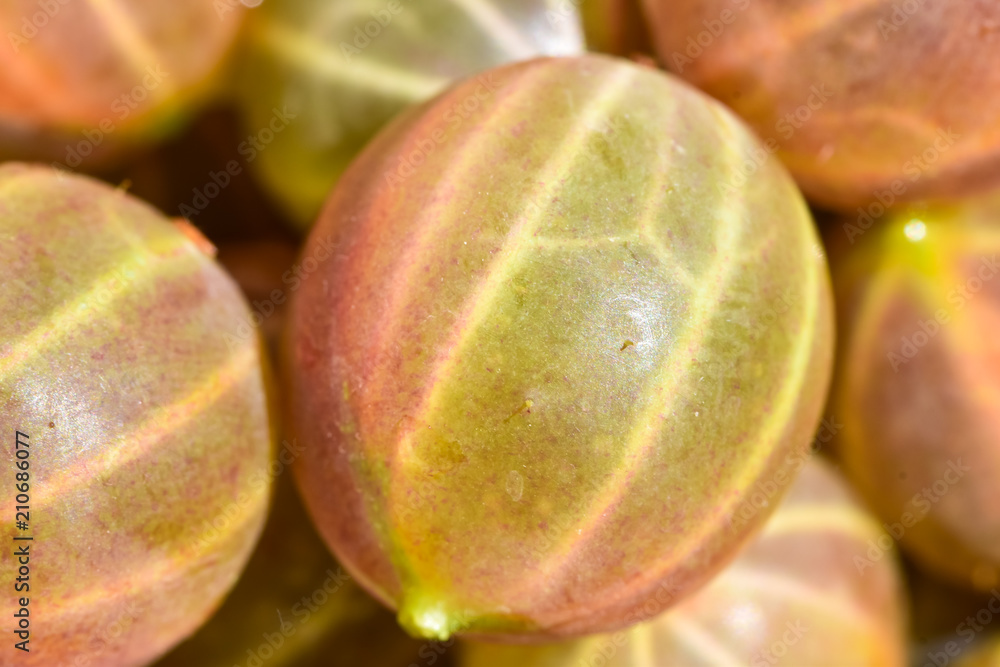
(780,416)
(496,26)
(314,56)
(756,582)
(673,376)
(510,256)
(164,422)
(170,571)
(435,217)
(642,648)
(753,465)
(678,271)
(698,641)
(86,308)
(795,27)
(131,42)
(777,419)
(821,517)
(644,235)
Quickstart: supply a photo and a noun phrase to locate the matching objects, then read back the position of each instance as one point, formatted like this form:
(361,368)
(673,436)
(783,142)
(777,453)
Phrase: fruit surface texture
(863,100)
(342,70)
(146,435)
(918,383)
(793,597)
(540,369)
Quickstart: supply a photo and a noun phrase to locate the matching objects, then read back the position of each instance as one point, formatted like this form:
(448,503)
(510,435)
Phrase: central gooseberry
(545,356)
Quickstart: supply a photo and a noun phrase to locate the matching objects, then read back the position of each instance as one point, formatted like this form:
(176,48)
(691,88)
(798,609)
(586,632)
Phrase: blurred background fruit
(794,597)
(320,77)
(149,433)
(617,27)
(949,623)
(863,100)
(295,606)
(532,188)
(940,609)
(557,358)
(987,654)
(200,175)
(264,271)
(918,382)
(78,80)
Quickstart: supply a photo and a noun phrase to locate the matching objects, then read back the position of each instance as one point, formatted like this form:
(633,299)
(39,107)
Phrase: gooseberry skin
(344,69)
(917,382)
(97,75)
(148,431)
(531,386)
(864,100)
(793,597)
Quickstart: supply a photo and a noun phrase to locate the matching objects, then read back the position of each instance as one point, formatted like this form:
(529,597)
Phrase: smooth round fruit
(863,100)
(794,597)
(918,383)
(294,605)
(321,77)
(147,435)
(79,77)
(539,373)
